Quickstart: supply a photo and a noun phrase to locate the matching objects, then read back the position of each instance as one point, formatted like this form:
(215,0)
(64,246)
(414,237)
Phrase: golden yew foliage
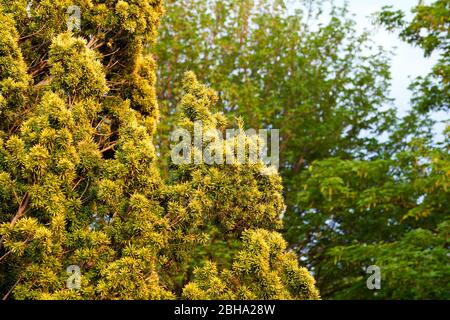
(14,80)
(78,178)
(262,270)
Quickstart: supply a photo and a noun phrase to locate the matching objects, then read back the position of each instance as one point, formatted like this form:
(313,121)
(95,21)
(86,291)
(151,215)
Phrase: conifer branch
(110,147)
(20,212)
(11,290)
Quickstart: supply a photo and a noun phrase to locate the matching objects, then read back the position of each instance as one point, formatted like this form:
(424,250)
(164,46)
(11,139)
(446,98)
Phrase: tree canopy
(80,183)
(362,186)
(88,181)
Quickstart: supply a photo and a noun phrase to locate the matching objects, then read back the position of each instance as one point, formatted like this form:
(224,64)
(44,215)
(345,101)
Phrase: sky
(407,63)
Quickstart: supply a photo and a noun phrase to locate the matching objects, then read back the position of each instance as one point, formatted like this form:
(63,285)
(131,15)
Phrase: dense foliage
(362,187)
(87,178)
(79,181)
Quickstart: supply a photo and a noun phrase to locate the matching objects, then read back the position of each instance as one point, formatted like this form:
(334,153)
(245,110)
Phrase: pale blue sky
(408,62)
